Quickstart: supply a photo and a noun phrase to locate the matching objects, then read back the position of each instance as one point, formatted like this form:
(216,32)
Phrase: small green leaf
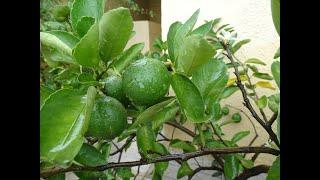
(237,137)
(183,31)
(245,162)
(255,61)
(124,173)
(149,113)
(105,151)
(184,170)
(170,38)
(115,28)
(84,25)
(90,156)
(262,102)
(203,29)
(265,76)
(239,44)
(275,9)
(81,8)
(86,51)
(229,91)
(164,115)
(65,114)
(184,145)
(253,68)
(127,57)
(274,171)
(231,167)
(275,69)
(194,52)
(189,98)
(273,103)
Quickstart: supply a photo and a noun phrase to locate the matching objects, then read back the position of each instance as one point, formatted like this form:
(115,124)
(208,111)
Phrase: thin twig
(123,146)
(247,173)
(135,177)
(272,119)
(182,157)
(182,128)
(203,168)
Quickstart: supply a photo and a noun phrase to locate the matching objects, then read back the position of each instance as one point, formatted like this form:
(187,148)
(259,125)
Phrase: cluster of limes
(143,83)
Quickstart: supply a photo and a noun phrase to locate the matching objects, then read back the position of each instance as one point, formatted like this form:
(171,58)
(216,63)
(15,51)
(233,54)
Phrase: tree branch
(247,103)
(203,168)
(182,157)
(178,126)
(247,173)
(123,146)
(272,119)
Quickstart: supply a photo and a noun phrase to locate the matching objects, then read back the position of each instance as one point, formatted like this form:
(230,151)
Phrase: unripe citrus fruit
(61,13)
(225,110)
(146,81)
(236,117)
(108,118)
(113,87)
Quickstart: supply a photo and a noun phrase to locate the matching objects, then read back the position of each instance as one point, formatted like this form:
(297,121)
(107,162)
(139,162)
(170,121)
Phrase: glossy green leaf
(277,54)
(274,171)
(81,8)
(86,52)
(149,113)
(275,69)
(184,170)
(231,167)
(183,31)
(189,98)
(253,68)
(170,38)
(145,141)
(273,102)
(160,167)
(262,102)
(57,45)
(184,145)
(64,118)
(203,29)
(255,61)
(229,91)
(124,173)
(115,28)
(275,9)
(105,151)
(194,52)
(240,135)
(44,93)
(245,162)
(239,44)
(127,57)
(84,25)
(164,115)
(265,76)
(89,156)
(211,79)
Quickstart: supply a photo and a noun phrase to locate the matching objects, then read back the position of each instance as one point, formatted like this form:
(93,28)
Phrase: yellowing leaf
(233,80)
(265,84)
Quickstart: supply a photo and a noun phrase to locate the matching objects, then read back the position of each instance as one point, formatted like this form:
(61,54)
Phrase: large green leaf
(211,79)
(203,29)
(189,98)
(194,52)
(183,31)
(64,120)
(274,171)
(90,156)
(149,113)
(89,8)
(170,38)
(275,69)
(184,170)
(184,145)
(164,115)
(231,167)
(275,8)
(86,52)
(127,57)
(84,25)
(57,46)
(44,93)
(115,29)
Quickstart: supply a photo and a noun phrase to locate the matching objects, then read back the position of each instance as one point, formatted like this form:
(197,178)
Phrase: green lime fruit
(108,118)
(61,13)
(225,110)
(113,87)
(146,141)
(236,117)
(146,81)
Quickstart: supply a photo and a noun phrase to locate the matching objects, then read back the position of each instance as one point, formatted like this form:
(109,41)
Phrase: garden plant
(95,93)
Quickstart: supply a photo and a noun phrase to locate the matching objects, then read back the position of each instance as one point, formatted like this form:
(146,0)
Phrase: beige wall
(251,19)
